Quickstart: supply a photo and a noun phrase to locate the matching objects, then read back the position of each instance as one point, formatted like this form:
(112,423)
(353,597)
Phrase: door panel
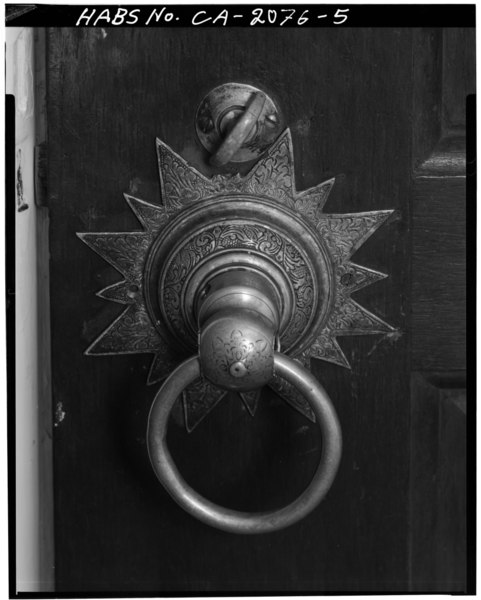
(442,412)
(347,96)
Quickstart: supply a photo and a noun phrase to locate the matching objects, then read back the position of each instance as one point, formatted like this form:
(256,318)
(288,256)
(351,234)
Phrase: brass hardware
(240,131)
(238,320)
(227,519)
(237,123)
(234,269)
(239,310)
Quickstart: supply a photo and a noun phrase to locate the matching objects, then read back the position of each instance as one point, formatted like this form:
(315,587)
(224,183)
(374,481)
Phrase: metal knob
(238,320)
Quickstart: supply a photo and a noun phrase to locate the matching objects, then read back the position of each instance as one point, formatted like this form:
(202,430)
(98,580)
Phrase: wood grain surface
(439,274)
(438,475)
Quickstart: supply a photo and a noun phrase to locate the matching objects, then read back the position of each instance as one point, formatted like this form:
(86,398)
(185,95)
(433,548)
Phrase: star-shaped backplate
(272,177)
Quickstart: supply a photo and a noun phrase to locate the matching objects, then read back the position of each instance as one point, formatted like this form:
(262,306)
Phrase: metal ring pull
(224,518)
(240,131)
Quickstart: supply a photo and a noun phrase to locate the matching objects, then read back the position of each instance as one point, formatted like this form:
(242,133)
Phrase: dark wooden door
(374,108)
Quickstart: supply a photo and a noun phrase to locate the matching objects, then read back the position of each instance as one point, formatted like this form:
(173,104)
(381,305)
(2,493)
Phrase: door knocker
(236,282)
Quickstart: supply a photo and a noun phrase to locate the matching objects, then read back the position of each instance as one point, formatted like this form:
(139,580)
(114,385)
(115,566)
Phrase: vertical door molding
(444,60)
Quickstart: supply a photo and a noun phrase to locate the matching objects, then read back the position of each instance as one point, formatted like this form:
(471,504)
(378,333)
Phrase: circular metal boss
(228,106)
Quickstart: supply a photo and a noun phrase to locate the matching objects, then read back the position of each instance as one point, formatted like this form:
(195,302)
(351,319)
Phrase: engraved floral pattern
(124,251)
(199,398)
(344,234)
(273,178)
(290,394)
(132,332)
(240,236)
(254,355)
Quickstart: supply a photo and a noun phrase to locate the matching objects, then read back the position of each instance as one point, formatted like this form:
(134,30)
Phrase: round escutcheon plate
(239,232)
(223,107)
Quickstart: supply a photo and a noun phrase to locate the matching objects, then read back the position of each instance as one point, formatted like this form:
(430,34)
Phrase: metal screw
(133,291)
(238,369)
